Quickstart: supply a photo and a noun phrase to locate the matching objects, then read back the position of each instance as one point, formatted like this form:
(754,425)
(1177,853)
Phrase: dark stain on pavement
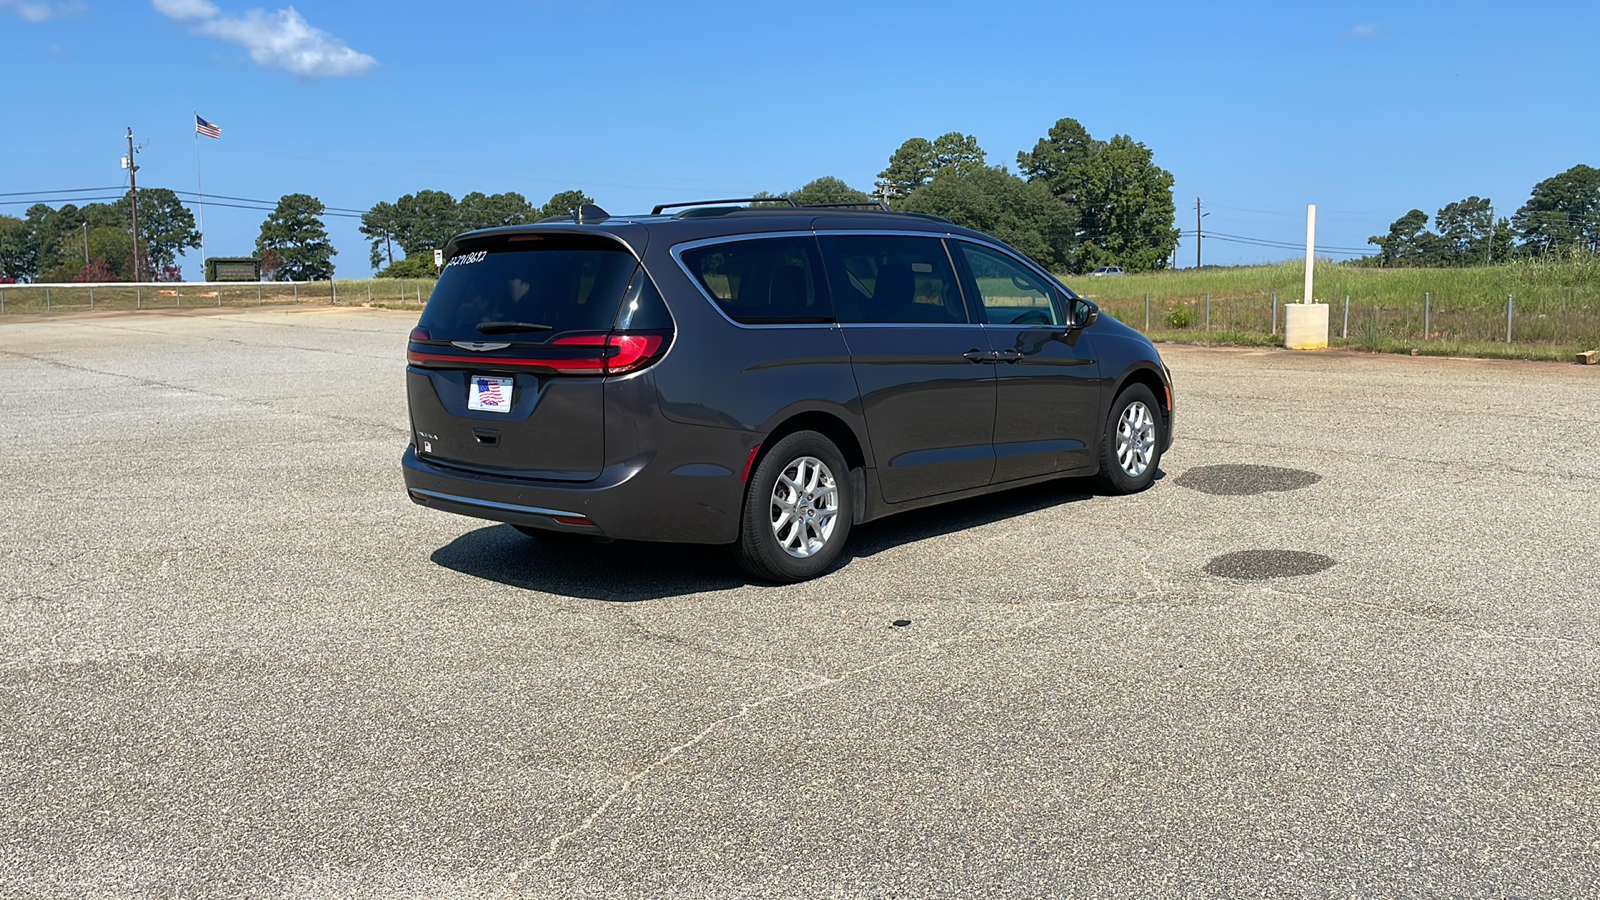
(1239,480)
(1259,565)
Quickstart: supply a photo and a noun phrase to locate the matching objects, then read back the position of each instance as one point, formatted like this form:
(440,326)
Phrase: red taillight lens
(420,334)
(619,353)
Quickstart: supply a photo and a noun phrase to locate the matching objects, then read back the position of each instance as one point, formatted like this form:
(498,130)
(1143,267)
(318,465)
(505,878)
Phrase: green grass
(1556,305)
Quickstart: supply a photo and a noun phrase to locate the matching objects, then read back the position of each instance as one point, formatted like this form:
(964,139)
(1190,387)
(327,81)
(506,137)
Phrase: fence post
(47,298)
(296,291)
(1510,305)
(369,293)
(1274,312)
(402,290)
(1427,314)
(219,295)
(178,289)
(1147,312)
(258,293)
(138,296)
(1208,310)
(1345,332)
(91,296)
(334,290)
(2,303)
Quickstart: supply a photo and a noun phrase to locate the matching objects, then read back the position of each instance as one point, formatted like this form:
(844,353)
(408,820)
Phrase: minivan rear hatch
(507,366)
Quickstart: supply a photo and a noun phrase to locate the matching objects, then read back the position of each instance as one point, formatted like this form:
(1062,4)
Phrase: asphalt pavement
(1347,646)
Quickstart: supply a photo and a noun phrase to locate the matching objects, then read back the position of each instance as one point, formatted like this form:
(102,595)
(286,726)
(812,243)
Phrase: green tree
(910,167)
(828,189)
(563,203)
(19,256)
(294,231)
(381,225)
(419,266)
(1126,215)
(1024,214)
(166,227)
(1408,243)
(918,160)
(1125,210)
(477,210)
(1468,234)
(1563,213)
(1060,158)
(425,221)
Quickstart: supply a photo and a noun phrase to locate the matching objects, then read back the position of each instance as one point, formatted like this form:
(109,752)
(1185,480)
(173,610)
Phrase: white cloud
(282,39)
(187,9)
(40,10)
(1364,33)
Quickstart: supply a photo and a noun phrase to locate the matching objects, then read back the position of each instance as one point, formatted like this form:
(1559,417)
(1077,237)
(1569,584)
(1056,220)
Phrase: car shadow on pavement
(628,571)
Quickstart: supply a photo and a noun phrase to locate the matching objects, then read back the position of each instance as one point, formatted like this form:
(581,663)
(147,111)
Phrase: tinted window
(763,281)
(570,283)
(1010,292)
(890,279)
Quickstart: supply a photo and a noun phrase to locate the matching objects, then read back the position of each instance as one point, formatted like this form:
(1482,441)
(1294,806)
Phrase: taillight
(420,334)
(618,354)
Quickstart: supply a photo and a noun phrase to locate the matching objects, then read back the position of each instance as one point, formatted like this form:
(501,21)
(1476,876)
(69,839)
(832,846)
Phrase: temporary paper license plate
(490,393)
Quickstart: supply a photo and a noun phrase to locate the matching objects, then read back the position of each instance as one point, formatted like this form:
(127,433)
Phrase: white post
(1305,324)
(1311,245)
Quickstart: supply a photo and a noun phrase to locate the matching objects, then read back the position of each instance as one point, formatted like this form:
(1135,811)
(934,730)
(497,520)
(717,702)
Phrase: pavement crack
(744,712)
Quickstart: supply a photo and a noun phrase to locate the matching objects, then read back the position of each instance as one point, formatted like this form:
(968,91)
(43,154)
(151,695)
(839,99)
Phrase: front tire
(798,509)
(1130,450)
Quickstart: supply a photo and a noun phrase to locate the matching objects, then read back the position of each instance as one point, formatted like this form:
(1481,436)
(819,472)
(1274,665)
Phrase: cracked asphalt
(236,661)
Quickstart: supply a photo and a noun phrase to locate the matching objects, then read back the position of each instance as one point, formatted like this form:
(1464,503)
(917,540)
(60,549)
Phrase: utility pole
(133,196)
(86,243)
(1197,218)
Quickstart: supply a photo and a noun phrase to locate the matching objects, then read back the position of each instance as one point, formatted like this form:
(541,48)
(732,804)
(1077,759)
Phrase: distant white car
(1103,271)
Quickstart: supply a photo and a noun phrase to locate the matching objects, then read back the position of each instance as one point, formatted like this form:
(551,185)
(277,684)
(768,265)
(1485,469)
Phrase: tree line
(1078,203)
(1561,218)
(94,242)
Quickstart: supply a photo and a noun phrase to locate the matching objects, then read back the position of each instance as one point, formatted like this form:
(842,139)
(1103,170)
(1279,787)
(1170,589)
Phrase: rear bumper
(643,499)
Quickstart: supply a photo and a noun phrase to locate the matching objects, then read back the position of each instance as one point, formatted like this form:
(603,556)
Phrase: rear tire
(1130,449)
(798,508)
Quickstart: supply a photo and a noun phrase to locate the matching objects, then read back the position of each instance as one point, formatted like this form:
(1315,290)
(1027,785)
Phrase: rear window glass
(892,279)
(569,283)
(760,282)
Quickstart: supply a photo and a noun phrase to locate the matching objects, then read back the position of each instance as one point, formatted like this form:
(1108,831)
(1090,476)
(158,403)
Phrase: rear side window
(763,281)
(893,280)
(561,282)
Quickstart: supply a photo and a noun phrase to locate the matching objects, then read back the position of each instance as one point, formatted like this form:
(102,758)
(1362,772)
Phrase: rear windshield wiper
(510,327)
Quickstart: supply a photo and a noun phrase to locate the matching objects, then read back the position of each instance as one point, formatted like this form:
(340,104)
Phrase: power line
(115,187)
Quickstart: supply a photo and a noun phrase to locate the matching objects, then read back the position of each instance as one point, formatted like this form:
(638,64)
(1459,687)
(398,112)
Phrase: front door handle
(979,356)
(1009,356)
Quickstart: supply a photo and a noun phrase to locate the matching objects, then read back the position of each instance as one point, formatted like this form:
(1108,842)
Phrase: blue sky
(1365,109)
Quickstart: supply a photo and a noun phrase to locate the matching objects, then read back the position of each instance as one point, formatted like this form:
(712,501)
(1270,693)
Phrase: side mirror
(1084,313)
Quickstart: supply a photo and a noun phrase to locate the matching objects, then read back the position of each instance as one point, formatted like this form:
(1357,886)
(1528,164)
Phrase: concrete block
(1589,358)
(1305,326)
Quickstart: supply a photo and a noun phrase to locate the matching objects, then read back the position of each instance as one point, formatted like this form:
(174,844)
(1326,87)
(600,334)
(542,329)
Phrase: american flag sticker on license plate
(489,393)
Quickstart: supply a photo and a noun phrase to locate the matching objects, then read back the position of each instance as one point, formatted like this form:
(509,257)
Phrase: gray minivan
(763,377)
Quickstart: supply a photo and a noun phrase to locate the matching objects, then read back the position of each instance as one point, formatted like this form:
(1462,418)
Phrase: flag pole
(201,192)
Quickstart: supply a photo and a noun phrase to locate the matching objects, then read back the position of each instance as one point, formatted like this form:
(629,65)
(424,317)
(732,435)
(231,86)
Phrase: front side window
(1011,293)
(893,280)
(765,281)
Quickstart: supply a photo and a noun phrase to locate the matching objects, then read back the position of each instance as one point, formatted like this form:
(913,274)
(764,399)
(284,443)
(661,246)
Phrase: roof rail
(851,204)
(662,207)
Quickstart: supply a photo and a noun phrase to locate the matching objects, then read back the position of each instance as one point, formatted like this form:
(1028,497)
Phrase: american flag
(489,392)
(201,126)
